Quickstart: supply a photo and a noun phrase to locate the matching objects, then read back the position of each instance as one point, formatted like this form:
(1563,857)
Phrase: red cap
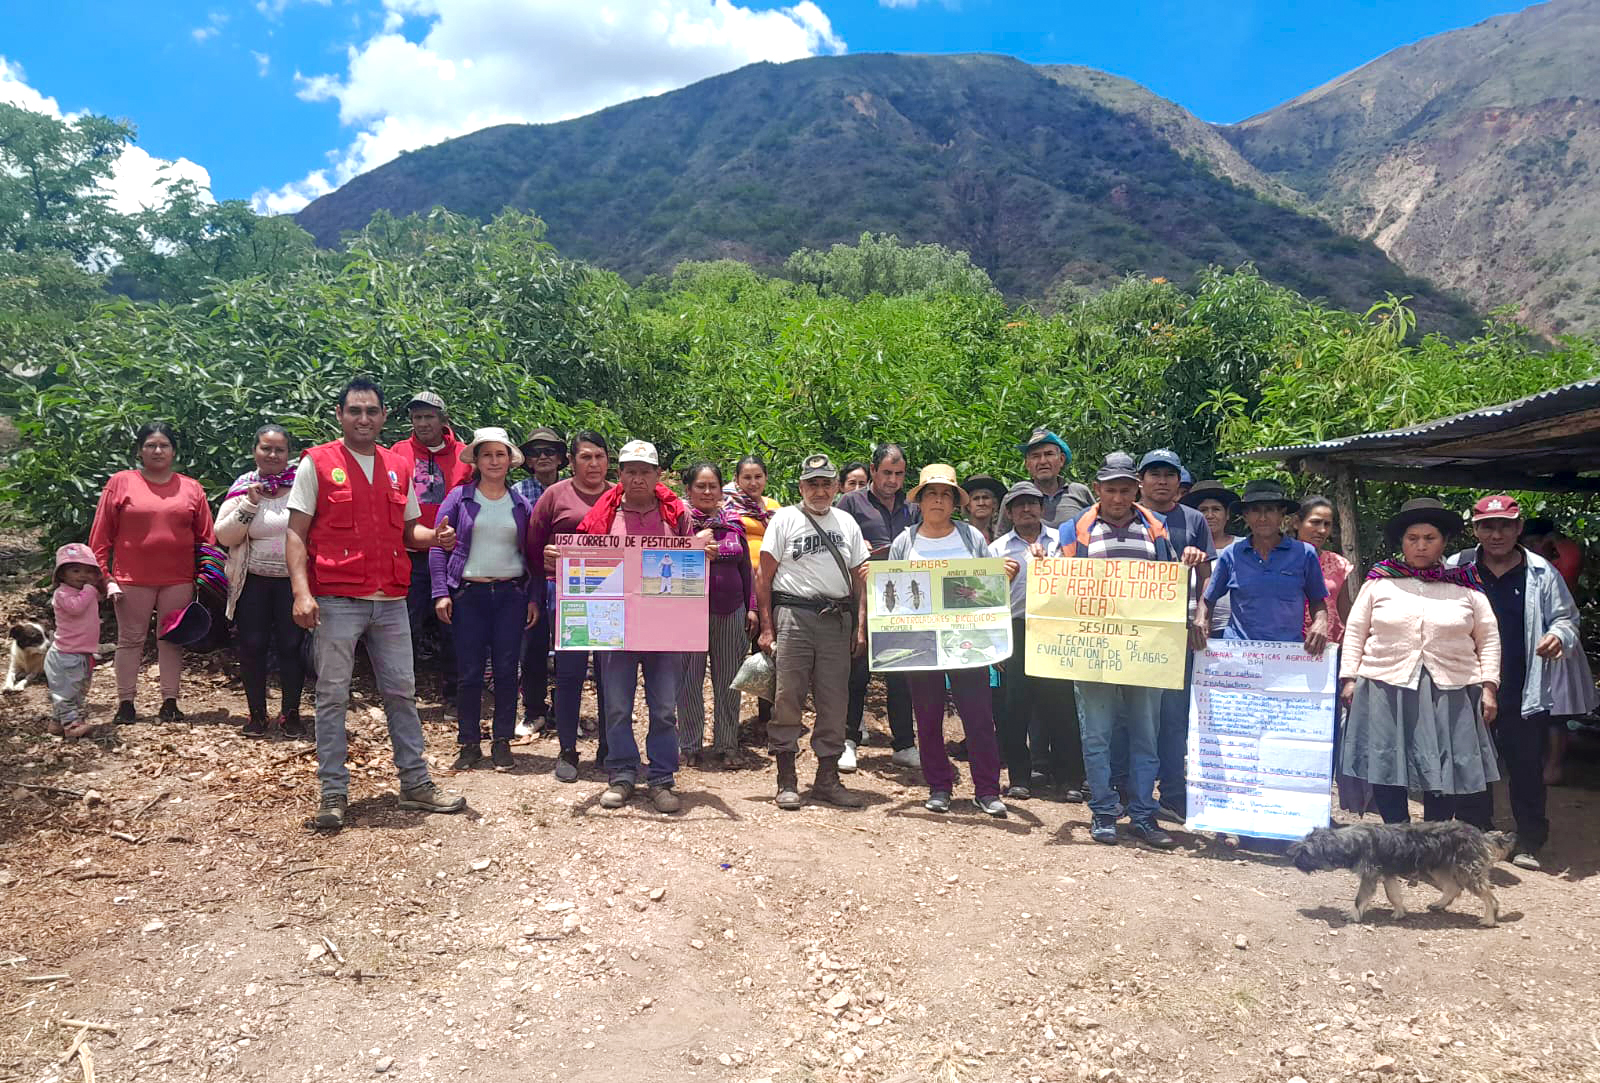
(1499,506)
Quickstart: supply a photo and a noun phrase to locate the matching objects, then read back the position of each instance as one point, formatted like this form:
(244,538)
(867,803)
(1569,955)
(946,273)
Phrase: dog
(29,642)
(1452,855)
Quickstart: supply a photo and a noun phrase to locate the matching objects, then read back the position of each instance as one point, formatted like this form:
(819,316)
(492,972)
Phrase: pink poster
(630,592)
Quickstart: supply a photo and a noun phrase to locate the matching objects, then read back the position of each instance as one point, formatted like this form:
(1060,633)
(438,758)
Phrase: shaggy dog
(1452,855)
(29,642)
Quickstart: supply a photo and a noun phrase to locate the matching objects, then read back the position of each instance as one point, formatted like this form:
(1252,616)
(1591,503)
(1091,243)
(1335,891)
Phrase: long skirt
(1427,739)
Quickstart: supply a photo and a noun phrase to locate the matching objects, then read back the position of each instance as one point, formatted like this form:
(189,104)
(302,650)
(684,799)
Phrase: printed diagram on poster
(635,593)
(1260,758)
(937,614)
(1108,621)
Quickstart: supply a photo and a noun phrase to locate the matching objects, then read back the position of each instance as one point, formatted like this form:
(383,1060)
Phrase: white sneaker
(907,757)
(847,758)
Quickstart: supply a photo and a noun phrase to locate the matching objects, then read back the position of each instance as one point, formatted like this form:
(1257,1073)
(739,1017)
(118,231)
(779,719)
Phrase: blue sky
(278,100)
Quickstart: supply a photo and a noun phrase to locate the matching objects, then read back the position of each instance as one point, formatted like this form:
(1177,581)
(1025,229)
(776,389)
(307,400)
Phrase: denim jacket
(460,506)
(1547,609)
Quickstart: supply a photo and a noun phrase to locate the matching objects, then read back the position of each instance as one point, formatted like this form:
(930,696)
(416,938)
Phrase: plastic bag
(758,677)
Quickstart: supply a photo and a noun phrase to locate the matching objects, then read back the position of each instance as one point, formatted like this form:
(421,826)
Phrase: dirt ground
(161,882)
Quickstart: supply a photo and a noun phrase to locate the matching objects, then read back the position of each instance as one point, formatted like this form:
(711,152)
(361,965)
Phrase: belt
(815,605)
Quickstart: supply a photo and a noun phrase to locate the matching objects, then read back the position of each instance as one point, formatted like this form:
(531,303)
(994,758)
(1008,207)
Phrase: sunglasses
(540,452)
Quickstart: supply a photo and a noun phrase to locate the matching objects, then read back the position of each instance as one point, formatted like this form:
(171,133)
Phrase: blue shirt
(1268,597)
(1186,527)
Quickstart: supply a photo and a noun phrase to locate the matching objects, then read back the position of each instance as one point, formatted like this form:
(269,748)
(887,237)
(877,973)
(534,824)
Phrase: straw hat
(493,434)
(938,474)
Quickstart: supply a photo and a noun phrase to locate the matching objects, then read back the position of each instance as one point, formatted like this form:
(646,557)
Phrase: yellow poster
(1109,621)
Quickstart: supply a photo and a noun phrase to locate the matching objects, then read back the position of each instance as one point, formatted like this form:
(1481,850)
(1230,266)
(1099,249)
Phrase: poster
(937,614)
(633,592)
(1261,720)
(1108,621)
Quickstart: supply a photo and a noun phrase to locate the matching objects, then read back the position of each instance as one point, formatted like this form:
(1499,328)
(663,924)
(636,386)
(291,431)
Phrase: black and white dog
(29,642)
(1453,856)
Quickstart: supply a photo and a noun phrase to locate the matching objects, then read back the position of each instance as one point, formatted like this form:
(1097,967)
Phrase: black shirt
(1507,597)
(879,525)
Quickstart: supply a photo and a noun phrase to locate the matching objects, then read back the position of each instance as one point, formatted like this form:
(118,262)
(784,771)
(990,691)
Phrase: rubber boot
(788,797)
(828,788)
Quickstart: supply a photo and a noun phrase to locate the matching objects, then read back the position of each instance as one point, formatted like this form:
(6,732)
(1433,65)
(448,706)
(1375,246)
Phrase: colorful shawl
(604,512)
(724,518)
(755,507)
(1464,576)
(270,484)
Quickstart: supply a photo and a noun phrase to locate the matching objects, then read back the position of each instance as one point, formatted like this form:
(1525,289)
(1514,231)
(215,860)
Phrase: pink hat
(75,553)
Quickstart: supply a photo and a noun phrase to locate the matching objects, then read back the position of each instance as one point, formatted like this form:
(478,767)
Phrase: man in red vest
(352,514)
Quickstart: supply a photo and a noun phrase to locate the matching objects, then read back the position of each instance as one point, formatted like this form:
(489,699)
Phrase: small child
(69,663)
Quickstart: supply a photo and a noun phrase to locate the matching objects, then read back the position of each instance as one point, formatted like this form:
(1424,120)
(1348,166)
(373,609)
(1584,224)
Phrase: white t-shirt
(806,567)
(303,496)
(949,547)
(267,531)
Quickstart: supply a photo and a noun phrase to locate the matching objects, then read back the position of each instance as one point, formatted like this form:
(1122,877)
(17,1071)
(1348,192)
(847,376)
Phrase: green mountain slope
(1044,175)
(1472,158)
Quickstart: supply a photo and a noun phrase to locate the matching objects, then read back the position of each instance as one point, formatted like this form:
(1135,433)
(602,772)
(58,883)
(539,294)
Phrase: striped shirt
(1131,542)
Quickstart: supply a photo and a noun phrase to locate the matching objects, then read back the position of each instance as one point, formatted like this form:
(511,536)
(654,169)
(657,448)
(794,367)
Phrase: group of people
(1449,663)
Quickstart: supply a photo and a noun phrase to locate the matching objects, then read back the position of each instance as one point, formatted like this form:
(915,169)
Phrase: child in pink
(69,663)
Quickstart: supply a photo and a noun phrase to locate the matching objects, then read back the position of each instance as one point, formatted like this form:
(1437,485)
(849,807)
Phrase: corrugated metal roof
(1510,436)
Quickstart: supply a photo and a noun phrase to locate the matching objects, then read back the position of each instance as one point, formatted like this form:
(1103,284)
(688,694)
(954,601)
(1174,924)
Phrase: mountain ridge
(1047,176)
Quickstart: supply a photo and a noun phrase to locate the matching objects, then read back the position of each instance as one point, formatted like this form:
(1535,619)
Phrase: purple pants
(970,689)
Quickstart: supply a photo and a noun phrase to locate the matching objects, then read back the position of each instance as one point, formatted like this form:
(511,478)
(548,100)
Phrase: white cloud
(274,9)
(138,179)
(485,62)
(263,63)
(213,27)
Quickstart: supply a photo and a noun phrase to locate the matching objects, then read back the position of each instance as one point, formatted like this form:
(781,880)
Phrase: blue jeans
(487,625)
(387,630)
(663,671)
(1103,710)
(572,669)
(1172,748)
(536,658)
(419,610)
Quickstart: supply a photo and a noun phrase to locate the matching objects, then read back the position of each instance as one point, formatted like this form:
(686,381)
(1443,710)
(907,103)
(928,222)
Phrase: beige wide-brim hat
(938,474)
(494,434)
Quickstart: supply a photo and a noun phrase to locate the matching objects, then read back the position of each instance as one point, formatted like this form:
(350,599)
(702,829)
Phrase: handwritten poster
(1260,756)
(937,614)
(1108,621)
(632,592)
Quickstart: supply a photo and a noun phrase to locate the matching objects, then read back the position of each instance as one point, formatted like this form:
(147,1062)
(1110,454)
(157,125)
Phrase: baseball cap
(1161,456)
(1119,464)
(425,398)
(817,466)
(638,451)
(1021,489)
(1498,506)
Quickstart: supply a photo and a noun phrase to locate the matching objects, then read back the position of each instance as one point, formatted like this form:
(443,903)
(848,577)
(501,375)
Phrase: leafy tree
(51,181)
(880,264)
(176,251)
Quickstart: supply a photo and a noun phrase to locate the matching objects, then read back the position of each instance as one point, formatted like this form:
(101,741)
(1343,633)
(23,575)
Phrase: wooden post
(1344,496)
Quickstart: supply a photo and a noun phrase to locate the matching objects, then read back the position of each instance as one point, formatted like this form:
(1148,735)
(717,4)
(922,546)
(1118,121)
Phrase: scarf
(753,506)
(604,512)
(724,518)
(1464,576)
(270,484)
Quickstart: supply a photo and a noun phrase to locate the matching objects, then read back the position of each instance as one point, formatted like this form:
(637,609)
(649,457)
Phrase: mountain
(1046,176)
(1471,158)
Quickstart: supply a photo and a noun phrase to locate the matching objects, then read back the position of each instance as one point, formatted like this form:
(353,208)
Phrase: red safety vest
(356,542)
